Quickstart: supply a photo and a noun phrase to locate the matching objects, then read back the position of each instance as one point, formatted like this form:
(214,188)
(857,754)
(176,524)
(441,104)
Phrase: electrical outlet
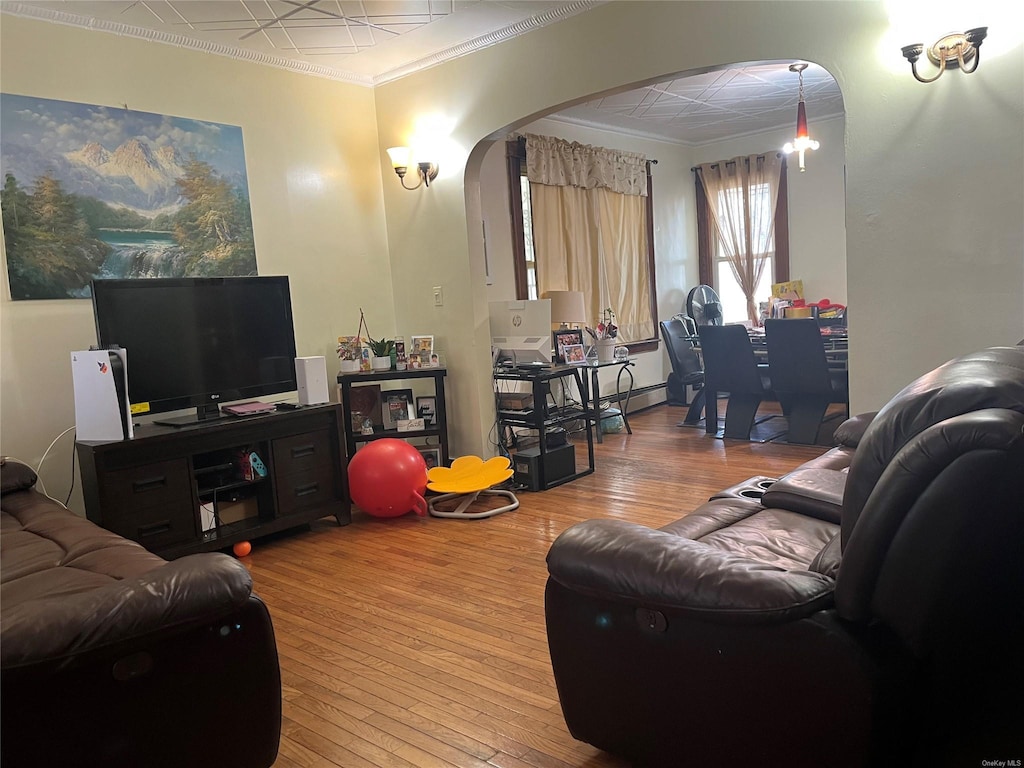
(438,296)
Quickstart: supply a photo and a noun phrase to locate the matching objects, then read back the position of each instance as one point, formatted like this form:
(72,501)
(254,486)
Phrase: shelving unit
(353,438)
(151,489)
(543,418)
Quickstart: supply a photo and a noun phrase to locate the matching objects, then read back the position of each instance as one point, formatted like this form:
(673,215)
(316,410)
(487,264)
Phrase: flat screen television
(198,341)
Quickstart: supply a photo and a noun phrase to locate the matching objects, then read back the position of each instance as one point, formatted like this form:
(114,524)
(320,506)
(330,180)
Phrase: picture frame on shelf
(431,455)
(565,337)
(422,347)
(574,354)
(401,359)
(397,404)
(426,409)
(366,401)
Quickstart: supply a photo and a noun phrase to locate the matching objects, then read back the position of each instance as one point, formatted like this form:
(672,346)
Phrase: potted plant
(381,354)
(605,336)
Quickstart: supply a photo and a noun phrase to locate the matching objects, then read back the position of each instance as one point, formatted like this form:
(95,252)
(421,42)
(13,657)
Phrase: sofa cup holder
(751,488)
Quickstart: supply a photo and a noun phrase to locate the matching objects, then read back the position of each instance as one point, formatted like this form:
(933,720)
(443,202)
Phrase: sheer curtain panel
(742,194)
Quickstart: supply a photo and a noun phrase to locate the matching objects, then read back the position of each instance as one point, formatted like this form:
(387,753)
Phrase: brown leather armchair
(112,656)
(861,618)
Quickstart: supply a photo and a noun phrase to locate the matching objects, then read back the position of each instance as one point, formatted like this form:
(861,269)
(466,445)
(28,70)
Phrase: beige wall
(314,180)
(916,246)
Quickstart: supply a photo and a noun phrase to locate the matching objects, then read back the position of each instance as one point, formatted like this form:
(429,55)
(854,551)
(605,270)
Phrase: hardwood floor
(420,641)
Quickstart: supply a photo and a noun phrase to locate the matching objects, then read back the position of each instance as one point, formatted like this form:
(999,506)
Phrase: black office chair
(687,369)
(801,377)
(730,366)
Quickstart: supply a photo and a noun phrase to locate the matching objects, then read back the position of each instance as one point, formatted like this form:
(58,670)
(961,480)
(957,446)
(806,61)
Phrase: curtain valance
(560,163)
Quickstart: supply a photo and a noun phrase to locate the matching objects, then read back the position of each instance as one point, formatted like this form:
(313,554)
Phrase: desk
(594,391)
(543,418)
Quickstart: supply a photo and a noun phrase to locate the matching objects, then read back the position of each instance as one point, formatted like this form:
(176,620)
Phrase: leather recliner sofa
(114,657)
(863,616)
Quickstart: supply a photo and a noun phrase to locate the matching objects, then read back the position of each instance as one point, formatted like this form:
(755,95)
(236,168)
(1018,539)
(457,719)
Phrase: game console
(100,380)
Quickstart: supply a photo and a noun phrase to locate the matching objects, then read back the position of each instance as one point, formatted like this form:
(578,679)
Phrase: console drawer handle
(149,484)
(303,450)
(306,490)
(152,530)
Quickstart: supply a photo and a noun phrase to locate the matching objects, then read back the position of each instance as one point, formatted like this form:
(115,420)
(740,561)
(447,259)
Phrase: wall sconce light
(950,52)
(803,141)
(400,162)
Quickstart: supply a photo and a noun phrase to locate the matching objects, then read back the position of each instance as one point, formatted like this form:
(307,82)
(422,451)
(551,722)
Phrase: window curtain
(744,217)
(590,228)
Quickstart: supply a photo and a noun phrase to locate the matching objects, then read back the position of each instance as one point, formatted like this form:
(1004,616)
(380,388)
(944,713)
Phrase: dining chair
(687,368)
(731,366)
(801,376)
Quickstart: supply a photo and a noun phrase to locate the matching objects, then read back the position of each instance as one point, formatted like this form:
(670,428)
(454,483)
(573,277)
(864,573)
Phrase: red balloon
(387,478)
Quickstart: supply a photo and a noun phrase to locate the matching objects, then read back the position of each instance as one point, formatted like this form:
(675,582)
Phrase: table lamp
(567,308)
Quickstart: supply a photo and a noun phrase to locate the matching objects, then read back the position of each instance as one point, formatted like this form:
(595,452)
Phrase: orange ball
(242,548)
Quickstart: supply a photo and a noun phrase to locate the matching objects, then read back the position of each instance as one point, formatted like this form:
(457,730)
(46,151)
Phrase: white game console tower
(102,410)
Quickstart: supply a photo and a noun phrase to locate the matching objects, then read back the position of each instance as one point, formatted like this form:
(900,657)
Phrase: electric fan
(704,306)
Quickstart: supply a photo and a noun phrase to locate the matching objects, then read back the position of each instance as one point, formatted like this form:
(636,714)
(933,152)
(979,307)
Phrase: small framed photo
(423,348)
(566,337)
(396,405)
(432,456)
(574,354)
(426,410)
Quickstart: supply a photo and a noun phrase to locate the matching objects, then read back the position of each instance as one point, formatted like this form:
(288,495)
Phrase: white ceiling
(375,41)
(697,109)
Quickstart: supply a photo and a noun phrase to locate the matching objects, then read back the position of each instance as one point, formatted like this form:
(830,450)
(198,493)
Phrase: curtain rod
(733,162)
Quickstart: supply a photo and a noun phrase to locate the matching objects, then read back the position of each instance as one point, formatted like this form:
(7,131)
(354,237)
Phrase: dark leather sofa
(870,615)
(114,657)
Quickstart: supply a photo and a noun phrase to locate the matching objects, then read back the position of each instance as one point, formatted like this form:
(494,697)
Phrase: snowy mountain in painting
(153,169)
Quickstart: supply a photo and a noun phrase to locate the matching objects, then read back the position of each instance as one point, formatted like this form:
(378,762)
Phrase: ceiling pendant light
(803,141)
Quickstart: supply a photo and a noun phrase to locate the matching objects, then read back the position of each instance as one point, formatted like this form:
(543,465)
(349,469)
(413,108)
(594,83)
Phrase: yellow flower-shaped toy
(468,474)
(465,480)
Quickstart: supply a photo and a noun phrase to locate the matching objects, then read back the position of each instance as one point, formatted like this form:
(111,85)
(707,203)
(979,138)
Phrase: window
(713,261)
(733,301)
(523,241)
(529,259)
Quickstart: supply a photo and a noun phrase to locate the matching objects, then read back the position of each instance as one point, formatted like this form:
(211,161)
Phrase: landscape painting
(104,192)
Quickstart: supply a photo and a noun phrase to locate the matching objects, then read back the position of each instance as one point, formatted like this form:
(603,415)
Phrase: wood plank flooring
(420,641)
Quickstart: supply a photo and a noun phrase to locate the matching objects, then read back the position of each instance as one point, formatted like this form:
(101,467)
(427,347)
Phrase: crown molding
(301,67)
(491,38)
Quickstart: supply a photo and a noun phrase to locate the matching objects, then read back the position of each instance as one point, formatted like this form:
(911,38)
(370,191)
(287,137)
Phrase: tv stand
(194,488)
